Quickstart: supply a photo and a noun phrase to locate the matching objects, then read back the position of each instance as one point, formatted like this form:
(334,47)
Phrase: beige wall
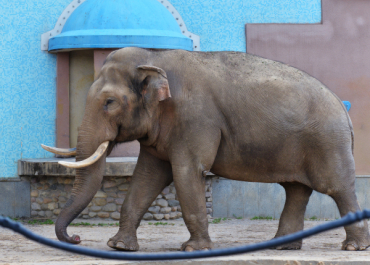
(81,65)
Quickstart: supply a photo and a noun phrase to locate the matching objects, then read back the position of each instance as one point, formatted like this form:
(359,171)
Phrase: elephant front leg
(151,176)
(190,188)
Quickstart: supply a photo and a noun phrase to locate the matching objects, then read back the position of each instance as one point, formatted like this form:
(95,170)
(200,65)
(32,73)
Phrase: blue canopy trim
(118,24)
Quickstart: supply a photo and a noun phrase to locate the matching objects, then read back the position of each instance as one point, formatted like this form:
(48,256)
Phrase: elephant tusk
(88,161)
(60,151)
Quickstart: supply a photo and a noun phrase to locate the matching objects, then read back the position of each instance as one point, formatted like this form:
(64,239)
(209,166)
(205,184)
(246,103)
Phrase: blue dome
(121,23)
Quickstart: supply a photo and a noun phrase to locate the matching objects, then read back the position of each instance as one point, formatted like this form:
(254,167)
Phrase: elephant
(234,114)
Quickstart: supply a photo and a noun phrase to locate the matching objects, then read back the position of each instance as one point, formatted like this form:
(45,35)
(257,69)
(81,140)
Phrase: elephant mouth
(84,163)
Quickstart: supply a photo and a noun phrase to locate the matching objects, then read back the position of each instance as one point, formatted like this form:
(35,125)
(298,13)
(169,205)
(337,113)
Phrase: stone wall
(49,195)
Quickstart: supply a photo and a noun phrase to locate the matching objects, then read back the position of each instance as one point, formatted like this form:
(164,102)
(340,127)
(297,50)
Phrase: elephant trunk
(87,183)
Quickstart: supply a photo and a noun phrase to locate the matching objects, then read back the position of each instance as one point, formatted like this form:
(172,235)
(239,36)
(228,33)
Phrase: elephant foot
(290,246)
(353,245)
(192,245)
(123,243)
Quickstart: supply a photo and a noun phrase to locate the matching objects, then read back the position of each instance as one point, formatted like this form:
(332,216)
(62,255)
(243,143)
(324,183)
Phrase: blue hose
(346,220)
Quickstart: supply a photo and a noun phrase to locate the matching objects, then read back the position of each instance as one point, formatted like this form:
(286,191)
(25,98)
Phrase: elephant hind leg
(357,234)
(292,217)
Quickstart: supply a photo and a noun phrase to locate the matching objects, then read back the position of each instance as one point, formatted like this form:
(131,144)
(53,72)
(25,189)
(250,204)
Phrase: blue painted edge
(156,39)
(347,104)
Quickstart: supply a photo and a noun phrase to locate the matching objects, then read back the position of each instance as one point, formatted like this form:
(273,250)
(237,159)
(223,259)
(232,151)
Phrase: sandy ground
(323,248)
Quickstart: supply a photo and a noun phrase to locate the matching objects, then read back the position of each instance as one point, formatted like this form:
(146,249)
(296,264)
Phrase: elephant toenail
(350,248)
(120,245)
(111,244)
(189,249)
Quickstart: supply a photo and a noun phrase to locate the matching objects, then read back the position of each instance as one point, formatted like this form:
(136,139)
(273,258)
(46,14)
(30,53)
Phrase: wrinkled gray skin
(237,115)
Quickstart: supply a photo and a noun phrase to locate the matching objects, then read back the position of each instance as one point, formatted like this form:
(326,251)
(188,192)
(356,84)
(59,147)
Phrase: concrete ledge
(115,167)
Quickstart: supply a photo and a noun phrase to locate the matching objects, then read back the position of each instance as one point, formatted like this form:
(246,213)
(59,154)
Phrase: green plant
(40,222)
(224,219)
(237,217)
(216,221)
(150,223)
(262,218)
(313,218)
(160,223)
(82,224)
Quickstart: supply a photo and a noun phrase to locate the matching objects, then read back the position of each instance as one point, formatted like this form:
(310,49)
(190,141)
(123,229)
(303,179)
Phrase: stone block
(166,190)
(148,216)
(68,181)
(85,211)
(169,196)
(120,181)
(110,207)
(35,206)
(39,200)
(173,209)
(68,188)
(112,194)
(57,211)
(172,190)
(44,207)
(209,199)
(33,213)
(162,203)
(119,201)
(209,211)
(100,201)
(113,189)
(47,200)
(209,204)
(179,208)
(103,215)
(109,184)
(165,210)
(154,209)
(173,215)
(123,187)
(173,203)
(167,216)
(159,196)
(179,214)
(158,216)
(92,214)
(48,214)
(100,194)
(85,216)
(34,193)
(208,194)
(122,194)
(110,199)
(95,208)
(60,180)
(41,213)
(115,215)
(52,206)
(154,203)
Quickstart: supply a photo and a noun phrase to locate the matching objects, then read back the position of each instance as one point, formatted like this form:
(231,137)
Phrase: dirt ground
(323,248)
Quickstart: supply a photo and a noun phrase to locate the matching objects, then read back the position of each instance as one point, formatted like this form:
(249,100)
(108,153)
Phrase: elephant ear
(156,78)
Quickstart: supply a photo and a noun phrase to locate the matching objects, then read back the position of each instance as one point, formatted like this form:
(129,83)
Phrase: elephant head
(122,105)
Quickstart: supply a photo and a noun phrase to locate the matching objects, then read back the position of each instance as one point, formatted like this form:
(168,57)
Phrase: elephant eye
(109,101)
(111,104)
